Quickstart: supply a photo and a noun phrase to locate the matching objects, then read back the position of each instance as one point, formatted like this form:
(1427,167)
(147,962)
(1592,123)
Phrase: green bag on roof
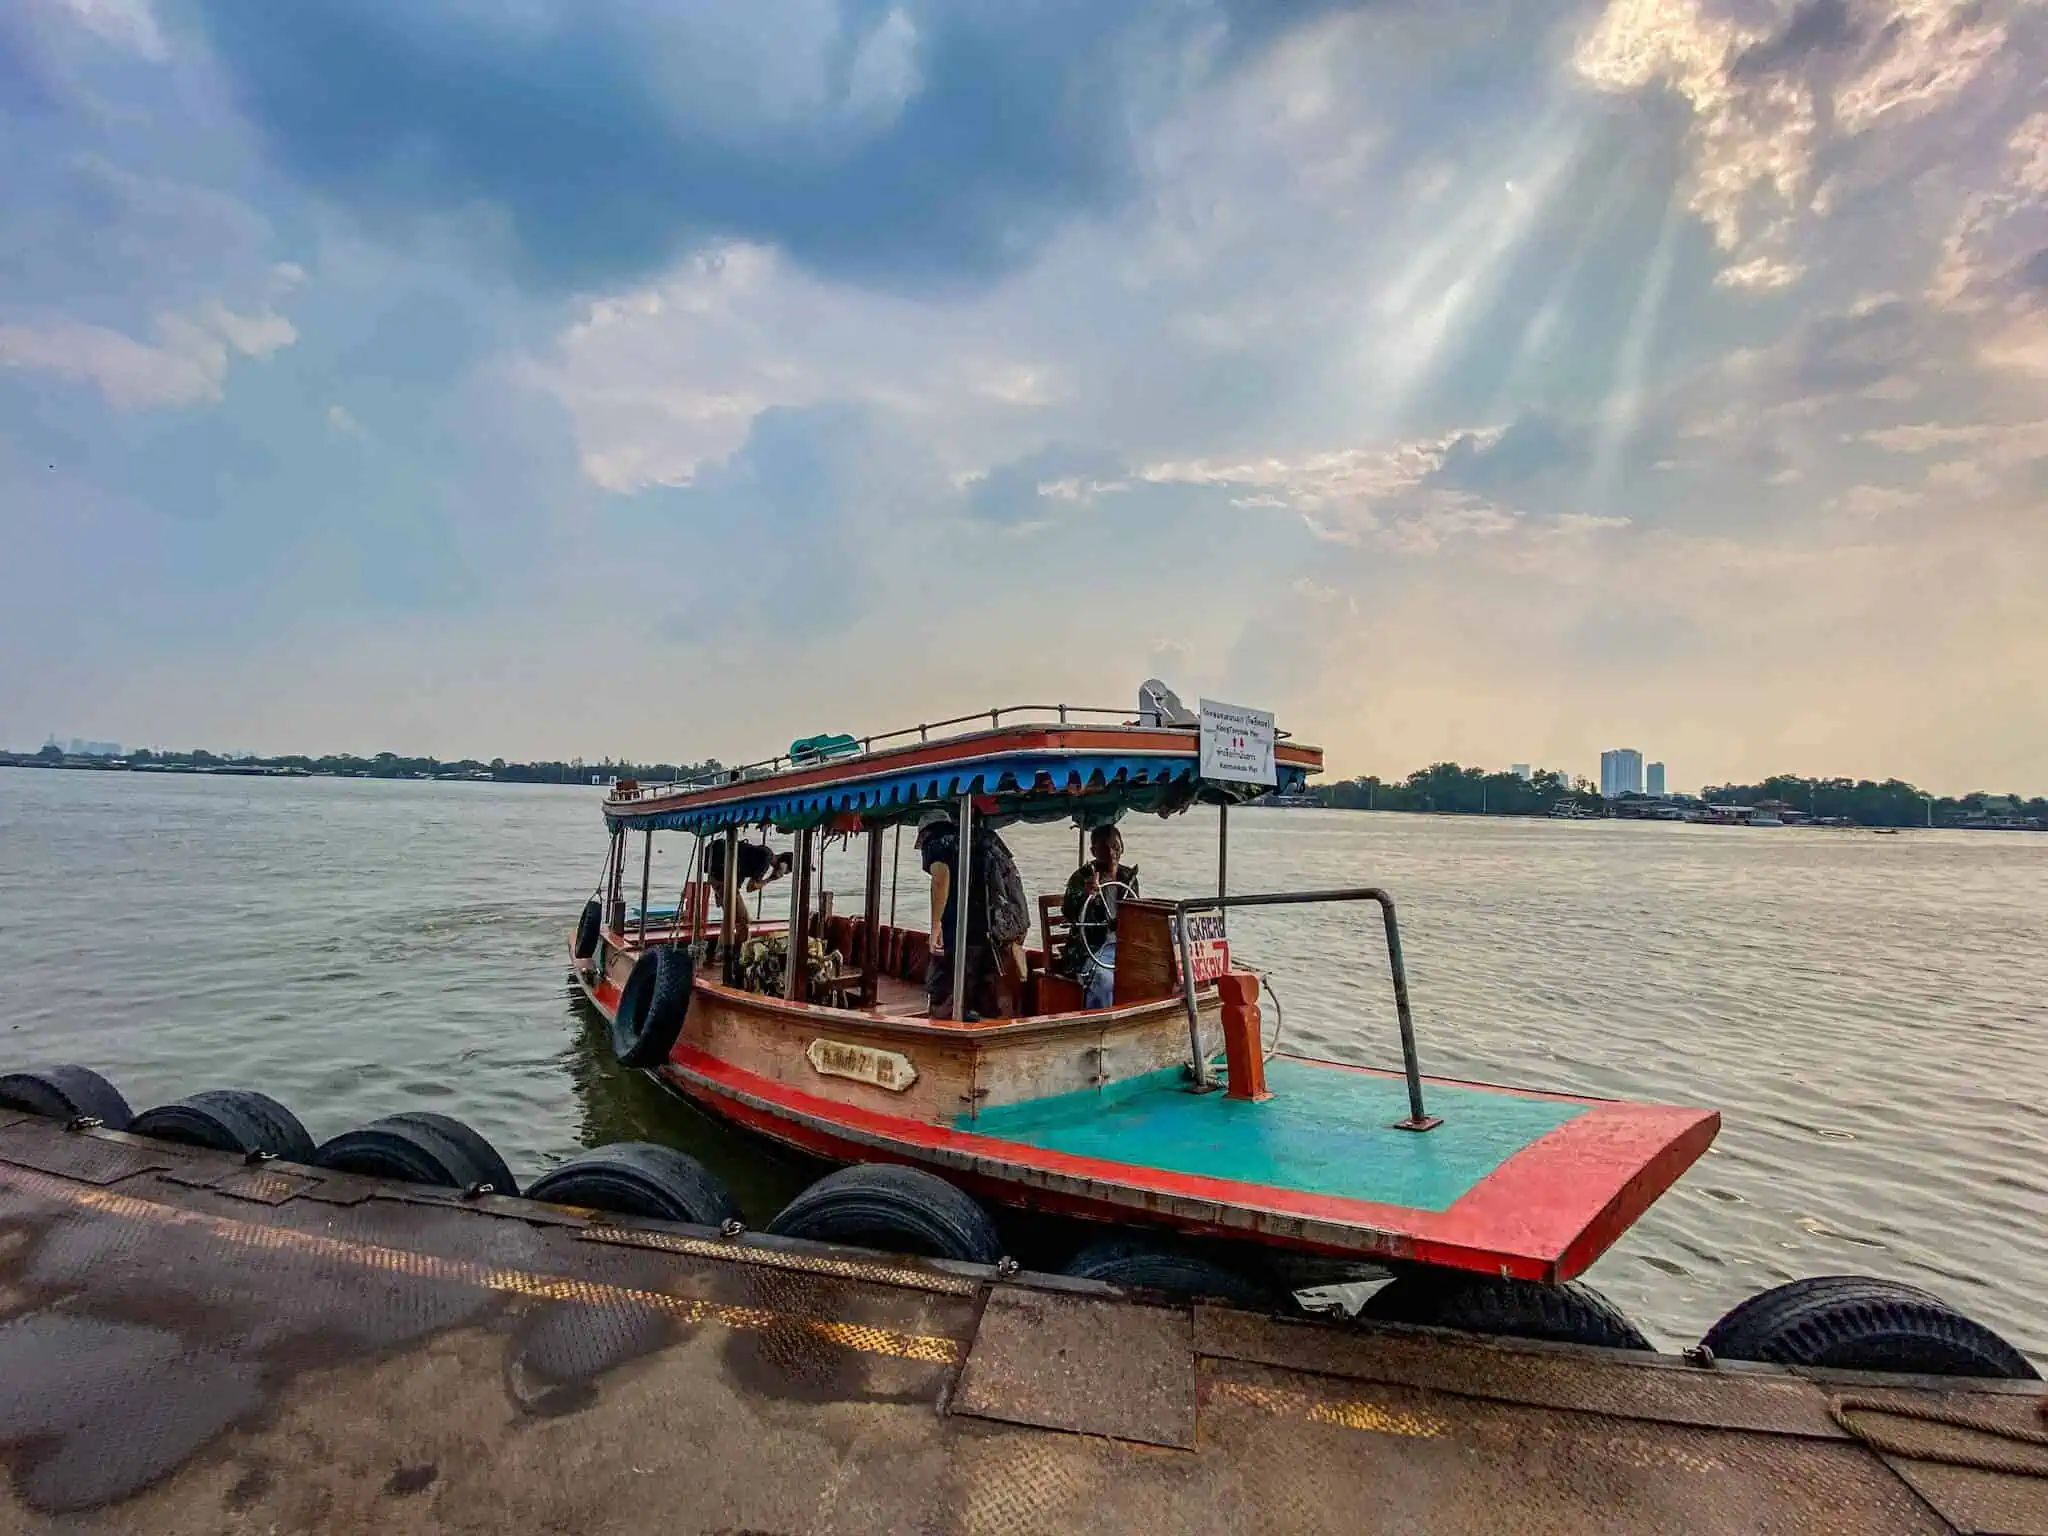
(814,749)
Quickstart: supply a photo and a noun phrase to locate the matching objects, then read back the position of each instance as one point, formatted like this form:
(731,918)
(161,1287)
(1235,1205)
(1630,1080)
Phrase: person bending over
(758,868)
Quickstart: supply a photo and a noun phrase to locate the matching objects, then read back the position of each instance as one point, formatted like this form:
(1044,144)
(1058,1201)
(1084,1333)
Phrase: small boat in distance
(1164,1111)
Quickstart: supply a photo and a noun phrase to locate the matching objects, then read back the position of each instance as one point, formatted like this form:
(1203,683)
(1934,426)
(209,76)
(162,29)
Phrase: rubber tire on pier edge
(587,927)
(1857,1323)
(1138,1265)
(64,1093)
(229,1120)
(639,1178)
(652,1006)
(419,1147)
(1573,1313)
(893,1208)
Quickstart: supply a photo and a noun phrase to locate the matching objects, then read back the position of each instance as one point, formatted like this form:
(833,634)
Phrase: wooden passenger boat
(1160,1111)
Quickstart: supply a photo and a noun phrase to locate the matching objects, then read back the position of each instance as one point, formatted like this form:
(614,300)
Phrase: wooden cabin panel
(1088,1056)
(1146,967)
(775,1042)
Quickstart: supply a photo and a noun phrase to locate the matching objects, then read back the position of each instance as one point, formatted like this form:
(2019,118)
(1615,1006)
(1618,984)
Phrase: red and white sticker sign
(1208,949)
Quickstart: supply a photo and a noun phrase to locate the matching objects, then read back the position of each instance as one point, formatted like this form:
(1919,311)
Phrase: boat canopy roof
(1026,768)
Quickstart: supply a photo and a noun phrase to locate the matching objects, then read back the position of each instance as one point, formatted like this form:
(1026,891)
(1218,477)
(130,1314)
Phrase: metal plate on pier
(1086,1365)
(87,1159)
(265,1186)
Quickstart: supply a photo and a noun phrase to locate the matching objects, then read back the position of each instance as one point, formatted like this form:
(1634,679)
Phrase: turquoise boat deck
(1327,1130)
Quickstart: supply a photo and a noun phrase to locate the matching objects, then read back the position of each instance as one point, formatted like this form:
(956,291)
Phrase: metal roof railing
(1063,714)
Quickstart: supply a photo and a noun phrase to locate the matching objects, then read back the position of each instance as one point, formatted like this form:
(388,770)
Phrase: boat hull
(1514,1182)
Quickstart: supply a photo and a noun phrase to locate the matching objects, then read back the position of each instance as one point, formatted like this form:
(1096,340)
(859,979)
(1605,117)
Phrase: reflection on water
(1867,1012)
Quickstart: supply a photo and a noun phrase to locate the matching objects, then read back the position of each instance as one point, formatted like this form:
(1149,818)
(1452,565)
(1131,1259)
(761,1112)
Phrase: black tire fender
(639,1178)
(418,1147)
(894,1208)
(587,928)
(1859,1323)
(229,1120)
(65,1093)
(1572,1313)
(1138,1265)
(652,1007)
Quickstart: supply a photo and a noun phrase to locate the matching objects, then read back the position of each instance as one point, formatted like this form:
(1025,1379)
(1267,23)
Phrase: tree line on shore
(1453,788)
(1443,787)
(390,765)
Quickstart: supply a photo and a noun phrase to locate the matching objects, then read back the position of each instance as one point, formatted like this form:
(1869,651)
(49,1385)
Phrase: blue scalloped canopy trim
(1028,787)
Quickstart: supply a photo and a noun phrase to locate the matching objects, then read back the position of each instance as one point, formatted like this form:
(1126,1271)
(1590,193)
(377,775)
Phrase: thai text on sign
(863,1063)
(1237,744)
(1208,948)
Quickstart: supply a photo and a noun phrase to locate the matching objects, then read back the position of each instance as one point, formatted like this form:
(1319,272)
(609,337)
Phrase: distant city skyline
(78,746)
(1621,772)
(1654,780)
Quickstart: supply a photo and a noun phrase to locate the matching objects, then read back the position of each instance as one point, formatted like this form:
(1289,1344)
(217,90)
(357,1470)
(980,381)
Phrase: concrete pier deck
(192,1344)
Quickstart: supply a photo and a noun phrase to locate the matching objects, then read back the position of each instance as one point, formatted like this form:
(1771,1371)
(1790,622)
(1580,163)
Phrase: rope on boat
(1890,1443)
(1279,1014)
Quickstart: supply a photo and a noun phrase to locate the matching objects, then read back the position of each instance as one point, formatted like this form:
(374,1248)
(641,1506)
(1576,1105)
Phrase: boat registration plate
(863,1063)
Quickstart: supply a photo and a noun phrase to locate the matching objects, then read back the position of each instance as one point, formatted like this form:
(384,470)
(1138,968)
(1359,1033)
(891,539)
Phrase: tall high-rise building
(1621,772)
(1655,775)
(1521,771)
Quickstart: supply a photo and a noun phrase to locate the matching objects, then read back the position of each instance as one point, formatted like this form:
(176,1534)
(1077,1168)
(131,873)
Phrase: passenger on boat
(758,867)
(938,843)
(1104,867)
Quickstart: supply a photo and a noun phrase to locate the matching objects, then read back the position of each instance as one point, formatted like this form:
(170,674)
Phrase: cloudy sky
(1485,379)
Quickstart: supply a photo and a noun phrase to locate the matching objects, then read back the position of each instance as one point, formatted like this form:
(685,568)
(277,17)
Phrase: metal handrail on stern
(1418,1119)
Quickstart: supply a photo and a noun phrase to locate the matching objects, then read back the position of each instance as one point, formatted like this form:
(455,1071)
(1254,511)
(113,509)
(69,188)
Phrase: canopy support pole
(895,874)
(963,865)
(870,959)
(684,902)
(1223,849)
(727,898)
(615,898)
(796,974)
(646,874)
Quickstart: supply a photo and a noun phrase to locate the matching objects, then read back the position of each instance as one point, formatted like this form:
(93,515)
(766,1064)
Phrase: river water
(1868,1012)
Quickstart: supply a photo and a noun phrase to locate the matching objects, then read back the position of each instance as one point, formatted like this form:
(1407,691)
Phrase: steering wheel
(1099,894)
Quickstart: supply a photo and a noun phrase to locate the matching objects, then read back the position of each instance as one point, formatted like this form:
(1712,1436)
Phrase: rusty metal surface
(1653,1387)
(910,1273)
(1082,1364)
(1979,1458)
(177,1357)
(1394,1457)
(1974,1501)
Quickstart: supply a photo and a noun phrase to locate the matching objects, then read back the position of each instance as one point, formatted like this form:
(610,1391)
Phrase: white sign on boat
(1208,946)
(1237,744)
(863,1063)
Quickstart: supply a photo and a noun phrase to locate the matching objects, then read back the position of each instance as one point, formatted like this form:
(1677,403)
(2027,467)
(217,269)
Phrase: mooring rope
(1843,1408)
